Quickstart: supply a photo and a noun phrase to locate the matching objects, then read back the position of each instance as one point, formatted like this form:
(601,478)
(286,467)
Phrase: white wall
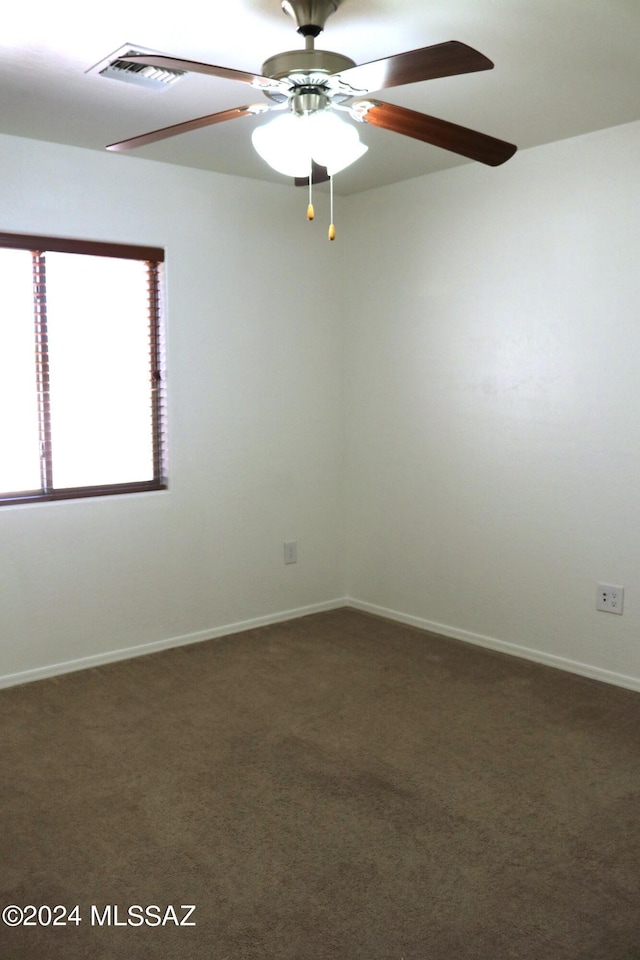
(255,419)
(493,400)
(485,331)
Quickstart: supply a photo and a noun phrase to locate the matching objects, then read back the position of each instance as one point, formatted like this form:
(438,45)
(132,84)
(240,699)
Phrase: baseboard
(538,656)
(128,653)
(445,630)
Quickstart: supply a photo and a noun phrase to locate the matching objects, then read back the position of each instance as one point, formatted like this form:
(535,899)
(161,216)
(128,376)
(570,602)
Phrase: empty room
(319,481)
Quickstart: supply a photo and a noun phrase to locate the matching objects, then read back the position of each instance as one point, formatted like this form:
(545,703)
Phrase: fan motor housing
(294,63)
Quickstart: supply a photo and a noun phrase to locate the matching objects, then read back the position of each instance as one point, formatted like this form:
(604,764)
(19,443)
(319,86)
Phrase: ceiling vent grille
(114,67)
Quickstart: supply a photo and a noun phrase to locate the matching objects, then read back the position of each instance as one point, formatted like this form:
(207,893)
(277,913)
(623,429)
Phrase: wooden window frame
(153,257)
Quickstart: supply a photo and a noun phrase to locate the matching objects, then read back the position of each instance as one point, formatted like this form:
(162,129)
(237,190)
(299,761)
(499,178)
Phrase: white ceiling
(562,68)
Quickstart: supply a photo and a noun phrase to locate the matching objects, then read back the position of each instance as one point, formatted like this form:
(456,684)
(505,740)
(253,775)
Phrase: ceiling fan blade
(319,174)
(440,133)
(440,60)
(193,66)
(176,128)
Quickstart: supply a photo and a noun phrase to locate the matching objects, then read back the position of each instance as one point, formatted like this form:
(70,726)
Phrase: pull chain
(332,229)
(310,210)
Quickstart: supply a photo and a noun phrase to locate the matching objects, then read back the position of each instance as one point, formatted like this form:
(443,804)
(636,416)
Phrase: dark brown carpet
(334,788)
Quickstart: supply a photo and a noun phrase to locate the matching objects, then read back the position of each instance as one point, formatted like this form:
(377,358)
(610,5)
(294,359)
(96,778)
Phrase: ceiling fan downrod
(310,15)
(294,65)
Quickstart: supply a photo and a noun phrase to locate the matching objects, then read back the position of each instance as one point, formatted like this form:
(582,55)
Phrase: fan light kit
(310,88)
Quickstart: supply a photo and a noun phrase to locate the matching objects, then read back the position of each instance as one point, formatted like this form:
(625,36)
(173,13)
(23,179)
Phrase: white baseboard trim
(128,653)
(525,653)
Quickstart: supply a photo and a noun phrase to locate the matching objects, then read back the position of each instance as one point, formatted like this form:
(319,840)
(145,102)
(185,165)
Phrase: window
(81,369)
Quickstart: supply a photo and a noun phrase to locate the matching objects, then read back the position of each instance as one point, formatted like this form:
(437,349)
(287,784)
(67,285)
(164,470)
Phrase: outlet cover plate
(291,551)
(610,598)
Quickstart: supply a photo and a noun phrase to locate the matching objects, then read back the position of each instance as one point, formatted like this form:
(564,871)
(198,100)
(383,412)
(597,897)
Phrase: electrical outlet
(291,552)
(609,598)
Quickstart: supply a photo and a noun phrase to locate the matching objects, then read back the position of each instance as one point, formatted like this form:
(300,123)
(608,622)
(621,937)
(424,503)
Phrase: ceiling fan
(316,85)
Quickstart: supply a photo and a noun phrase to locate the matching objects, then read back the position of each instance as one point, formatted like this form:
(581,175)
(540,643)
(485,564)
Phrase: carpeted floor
(338,787)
